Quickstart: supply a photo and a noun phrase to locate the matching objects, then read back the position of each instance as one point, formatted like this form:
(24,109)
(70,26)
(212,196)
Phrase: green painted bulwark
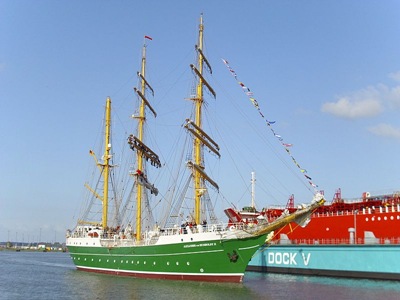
(217,260)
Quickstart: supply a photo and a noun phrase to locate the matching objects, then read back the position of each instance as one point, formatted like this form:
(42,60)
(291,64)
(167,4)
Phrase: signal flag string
(286,146)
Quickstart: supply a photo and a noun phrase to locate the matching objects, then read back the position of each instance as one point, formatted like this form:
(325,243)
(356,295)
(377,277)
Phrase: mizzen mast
(143,152)
(201,139)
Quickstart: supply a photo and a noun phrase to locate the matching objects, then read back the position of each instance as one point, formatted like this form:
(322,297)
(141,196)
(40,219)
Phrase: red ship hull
(354,227)
(368,220)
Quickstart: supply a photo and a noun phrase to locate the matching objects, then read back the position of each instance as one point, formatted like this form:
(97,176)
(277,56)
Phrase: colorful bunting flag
(269,123)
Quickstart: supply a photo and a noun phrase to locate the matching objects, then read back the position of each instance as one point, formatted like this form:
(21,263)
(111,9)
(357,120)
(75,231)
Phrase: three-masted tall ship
(201,249)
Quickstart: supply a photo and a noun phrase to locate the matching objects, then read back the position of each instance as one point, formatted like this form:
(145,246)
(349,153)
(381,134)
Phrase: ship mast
(106,164)
(142,151)
(139,158)
(198,183)
(253,189)
(195,127)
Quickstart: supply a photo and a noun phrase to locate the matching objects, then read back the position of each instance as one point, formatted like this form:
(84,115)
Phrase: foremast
(143,153)
(104,167)
(195,127)
(106,164)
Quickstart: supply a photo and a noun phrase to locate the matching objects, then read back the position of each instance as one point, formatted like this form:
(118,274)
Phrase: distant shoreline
(30,250)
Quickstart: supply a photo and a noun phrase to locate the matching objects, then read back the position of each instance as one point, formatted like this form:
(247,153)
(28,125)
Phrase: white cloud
(367,102)
(394,97)
(395,76)
(385,130)
(364,103)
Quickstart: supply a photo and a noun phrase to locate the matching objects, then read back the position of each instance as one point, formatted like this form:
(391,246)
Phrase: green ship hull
(206,260)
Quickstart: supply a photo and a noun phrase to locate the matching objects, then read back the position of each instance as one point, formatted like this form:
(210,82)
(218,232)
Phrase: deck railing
(363,211)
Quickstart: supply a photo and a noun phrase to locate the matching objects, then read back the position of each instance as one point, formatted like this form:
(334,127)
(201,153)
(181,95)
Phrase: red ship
(370,219)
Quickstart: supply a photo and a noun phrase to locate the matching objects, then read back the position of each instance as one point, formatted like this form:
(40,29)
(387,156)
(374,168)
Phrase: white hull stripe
(256,246)
(162,273)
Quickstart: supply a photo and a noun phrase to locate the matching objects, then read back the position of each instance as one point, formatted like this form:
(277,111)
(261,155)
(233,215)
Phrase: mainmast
(139,157)
(195,127)
(142,151)
(106,158)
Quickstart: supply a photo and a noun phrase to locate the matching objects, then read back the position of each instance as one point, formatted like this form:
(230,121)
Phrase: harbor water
(52,275)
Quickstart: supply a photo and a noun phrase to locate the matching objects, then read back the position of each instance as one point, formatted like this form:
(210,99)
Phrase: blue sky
(328,73)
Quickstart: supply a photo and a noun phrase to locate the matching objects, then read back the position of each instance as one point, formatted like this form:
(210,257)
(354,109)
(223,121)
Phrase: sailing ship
(202,248)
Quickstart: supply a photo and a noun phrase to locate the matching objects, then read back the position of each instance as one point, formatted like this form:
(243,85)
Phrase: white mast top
(253,189)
